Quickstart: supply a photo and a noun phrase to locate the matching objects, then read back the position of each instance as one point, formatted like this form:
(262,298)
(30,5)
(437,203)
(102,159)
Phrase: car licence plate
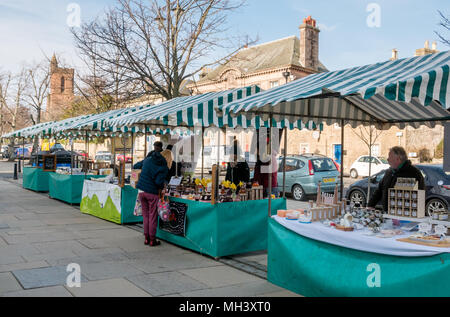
(329,180)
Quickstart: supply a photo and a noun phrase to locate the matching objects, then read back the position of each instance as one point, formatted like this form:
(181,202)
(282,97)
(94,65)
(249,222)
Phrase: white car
(361,166)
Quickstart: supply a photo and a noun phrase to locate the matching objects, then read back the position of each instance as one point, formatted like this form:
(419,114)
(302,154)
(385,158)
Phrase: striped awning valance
(396,92)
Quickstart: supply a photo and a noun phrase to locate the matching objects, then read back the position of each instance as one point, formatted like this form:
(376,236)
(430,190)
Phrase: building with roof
(267,65)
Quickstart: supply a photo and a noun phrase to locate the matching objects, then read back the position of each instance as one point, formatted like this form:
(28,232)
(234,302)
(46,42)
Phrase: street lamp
(286,75)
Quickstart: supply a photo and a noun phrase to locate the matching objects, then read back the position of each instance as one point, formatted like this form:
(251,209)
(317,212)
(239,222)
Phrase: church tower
(61,90)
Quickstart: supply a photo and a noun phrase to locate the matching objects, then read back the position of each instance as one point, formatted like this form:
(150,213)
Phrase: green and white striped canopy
(199,110)
(411,91)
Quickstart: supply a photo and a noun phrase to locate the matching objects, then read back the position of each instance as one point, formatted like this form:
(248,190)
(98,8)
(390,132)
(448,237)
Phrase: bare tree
(35,97)
(369,135)
(155,45)
(16,114)
(445,23)
(5,81)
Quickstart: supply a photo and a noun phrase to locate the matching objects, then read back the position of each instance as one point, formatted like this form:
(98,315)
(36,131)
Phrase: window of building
(304,148)
(274,84)
(63,84)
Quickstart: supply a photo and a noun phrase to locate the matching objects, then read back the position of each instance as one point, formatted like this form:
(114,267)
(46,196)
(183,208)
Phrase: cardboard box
(135,174)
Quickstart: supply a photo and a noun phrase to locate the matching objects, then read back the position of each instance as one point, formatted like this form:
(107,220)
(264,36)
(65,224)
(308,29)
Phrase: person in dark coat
(151,182)
(237,171)
(400,167)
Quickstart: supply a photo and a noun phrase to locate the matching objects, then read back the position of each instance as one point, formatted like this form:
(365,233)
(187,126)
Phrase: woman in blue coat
(151,182)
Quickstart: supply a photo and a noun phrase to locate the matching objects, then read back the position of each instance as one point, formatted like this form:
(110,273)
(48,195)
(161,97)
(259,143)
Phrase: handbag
(138,207)
(163,207)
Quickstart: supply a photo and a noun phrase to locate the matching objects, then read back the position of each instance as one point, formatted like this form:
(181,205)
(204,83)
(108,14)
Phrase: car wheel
(435,205)
(298,193)
(358,197)
(353,173)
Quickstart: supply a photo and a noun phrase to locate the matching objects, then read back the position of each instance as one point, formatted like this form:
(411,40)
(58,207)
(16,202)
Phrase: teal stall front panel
(313,268)
(242,226)
(129,197)
(226,228)
(68,188)
(201,228)
(35,179)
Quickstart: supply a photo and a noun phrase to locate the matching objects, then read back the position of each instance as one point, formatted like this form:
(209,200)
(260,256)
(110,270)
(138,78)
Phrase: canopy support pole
(71,156)
(132,149)
(270,166)
(342,160)
(145,142)
(203,148)
(284,162)
(86,147)
(370,165)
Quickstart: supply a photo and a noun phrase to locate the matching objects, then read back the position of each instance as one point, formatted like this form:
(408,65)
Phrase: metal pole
(370,165)
(132,148)
(270,168)
(203,149)
(86,147)
(342,160)
(145,142)
(284,163)
(23,153)
(71,156)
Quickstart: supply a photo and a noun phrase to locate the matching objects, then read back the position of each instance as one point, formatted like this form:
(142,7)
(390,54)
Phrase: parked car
(303,173)
(361,166)
(103,157)
(57,147)
(4,151)
(437,188)
(22,153)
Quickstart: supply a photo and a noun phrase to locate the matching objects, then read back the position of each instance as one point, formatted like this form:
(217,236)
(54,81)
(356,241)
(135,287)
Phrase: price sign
(440,230)
(49,163)
(425,227)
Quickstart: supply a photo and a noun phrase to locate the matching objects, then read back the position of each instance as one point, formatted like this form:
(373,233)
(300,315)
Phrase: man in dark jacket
(400,167)
(151,182)
(237,171)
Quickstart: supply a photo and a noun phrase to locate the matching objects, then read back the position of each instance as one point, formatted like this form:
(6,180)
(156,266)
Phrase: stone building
(267,65)
(61,90)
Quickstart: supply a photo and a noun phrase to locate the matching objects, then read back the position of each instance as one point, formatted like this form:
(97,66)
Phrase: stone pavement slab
(8,283)
(43,277)
(255,288)
(23,266)
(219,276)
(107,270)
(117,287)
(54,291)
(166,283)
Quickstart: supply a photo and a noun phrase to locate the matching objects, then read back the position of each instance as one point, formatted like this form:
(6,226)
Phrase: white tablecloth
(358,241)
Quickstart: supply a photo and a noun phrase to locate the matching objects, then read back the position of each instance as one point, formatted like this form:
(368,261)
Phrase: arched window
(63,84)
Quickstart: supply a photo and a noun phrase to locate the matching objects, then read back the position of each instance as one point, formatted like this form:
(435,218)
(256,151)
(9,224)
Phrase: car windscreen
(383,160)
(437,174)
(323,165)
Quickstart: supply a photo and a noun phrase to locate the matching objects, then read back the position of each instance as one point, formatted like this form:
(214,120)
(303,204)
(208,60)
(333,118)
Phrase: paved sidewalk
(40,237)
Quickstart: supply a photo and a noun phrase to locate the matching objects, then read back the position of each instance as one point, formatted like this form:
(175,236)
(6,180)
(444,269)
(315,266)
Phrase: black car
(437,188)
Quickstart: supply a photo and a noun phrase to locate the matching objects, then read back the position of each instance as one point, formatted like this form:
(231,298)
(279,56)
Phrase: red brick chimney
(309,44)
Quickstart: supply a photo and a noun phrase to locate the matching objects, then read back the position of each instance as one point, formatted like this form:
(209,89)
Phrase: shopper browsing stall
(151,182)
(400,167)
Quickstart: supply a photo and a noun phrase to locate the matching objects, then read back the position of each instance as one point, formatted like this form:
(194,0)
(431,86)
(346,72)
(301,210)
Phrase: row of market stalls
(309,259)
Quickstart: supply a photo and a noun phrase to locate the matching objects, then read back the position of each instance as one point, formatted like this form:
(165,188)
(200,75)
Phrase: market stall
(66,187)
(109,201)
(36,179)
(316,260)
(222,229)
(315,254)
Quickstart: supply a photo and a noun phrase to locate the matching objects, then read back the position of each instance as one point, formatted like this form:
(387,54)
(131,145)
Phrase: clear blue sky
(29,28)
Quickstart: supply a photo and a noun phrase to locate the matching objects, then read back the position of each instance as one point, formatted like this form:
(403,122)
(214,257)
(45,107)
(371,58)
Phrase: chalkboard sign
(177,219)
(49,163)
